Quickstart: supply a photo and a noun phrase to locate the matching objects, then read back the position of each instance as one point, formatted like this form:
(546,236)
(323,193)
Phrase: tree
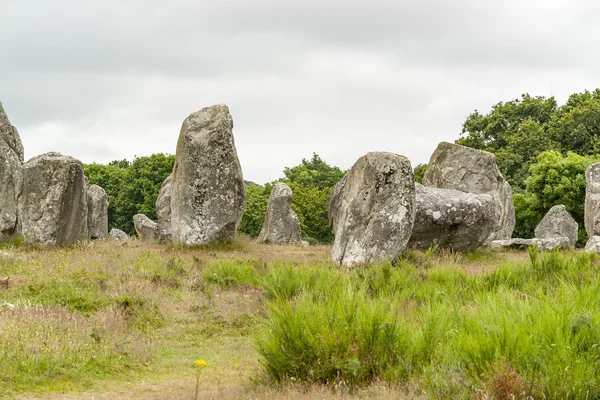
(419,172)
(314,173)
(256,207)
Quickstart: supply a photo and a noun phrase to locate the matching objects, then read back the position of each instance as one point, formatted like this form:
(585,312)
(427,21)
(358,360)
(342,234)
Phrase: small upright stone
(146,229)
(53,201)
(208,193)
(592,200)
(372,210)
(163,209)
(119,235)
(97,212)
(558,223)
(281,224)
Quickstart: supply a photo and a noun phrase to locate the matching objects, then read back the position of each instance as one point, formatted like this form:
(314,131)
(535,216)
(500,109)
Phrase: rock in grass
(163,209)
(558,223)
(593,245)
(542,244)
(453,219)
(11,162)
(470,170)
(592,200)
(97,212)
(281,224)
(53,201)
(208,193)
(372,210)
(117,234)
(146,229)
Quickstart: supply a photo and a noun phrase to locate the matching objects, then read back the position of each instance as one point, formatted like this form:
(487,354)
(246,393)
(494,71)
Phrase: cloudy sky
(105,80)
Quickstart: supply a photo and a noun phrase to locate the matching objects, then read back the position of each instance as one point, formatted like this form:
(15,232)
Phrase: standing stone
(11,162)
(208,194)
(558,223)
(453,219)
(281,224)
(163,209)
(53,201)
(592,200)
(470,170)
(97,212)
(146,229)
(372,210)
(117,234)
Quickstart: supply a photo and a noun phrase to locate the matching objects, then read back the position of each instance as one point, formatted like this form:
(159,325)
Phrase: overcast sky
(105,80)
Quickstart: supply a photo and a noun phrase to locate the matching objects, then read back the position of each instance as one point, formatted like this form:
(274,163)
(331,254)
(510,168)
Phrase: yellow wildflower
(200,363)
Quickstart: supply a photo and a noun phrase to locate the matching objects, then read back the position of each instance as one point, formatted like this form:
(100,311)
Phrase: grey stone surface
(453,219)
(52,201)
(558,223)
(372,209)
(117,234)
(97,201)
(542,244)
(11,162)
(470,170)
(592,200)
(593,245)
(281,224)
(146,229)
(163,209)
(208,194)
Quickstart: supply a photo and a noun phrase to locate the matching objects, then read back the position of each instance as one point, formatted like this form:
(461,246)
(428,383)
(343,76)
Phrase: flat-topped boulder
(52,201)
(97,201)
(372,210)
(558,223)
(281,224)
(11,162)
(542,244)
(208,195)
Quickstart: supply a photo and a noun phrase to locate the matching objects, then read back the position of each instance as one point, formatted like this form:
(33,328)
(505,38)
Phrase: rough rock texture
(97,212)
(146,229)
(208,195)
(11,162)
(557,223)
(472,171)
(542,244)
(281,224)
(453,219)
(52,201)
(117,234)
(593,245)
(372,210)
(163,208)
(592,200)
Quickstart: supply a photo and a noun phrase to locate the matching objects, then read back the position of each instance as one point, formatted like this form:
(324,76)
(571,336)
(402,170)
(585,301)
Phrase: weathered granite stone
(117,234)
(558,223)
(146,229)
(97,201)
(592,200)
(470,170)
(372,210)
(208,195)
(453,219)
(11,162)
(593,245)
(52,201)
(163,209)
(281,224)
(542,244)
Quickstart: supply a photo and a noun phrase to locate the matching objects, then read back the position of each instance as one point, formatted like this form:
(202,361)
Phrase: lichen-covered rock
(542,244)
(453,219)
(593,245)
(470,170)
(52,201)
(372,210)
(281,224)
(163,209)
(592,200)
(146,229)
(558,223)
(97,201)
(208,195)
(11,162)
(117,234)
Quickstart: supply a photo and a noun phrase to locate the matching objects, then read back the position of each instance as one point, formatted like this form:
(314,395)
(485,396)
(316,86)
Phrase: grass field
(112,321)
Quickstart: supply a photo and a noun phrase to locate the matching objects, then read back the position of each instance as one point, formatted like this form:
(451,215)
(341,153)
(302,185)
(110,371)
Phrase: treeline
(132,188)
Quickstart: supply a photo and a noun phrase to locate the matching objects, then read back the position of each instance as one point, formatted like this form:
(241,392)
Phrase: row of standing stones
(376,211)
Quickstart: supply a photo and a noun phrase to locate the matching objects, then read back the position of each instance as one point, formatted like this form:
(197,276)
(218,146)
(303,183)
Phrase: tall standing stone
(11,162)
(470,170)
(53,201)
(558,223)
(592,200)
(281,224)
(97,212)
(163,208)
(208,194)
(372,210)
